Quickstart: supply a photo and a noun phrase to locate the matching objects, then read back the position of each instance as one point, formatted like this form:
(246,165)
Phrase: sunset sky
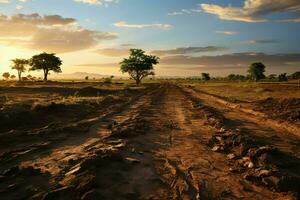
(190,36)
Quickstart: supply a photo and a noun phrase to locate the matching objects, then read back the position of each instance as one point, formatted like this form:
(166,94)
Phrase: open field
(163,140)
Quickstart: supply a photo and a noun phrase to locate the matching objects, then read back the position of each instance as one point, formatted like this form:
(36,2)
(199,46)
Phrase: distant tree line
(45,61)
(256,72)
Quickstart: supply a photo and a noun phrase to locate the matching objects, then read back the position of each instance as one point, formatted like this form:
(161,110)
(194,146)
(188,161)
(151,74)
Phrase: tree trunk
(19,75)
(138,81)
(45,75)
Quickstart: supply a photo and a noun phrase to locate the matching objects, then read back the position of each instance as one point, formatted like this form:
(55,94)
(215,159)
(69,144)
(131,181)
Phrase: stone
(61,193)
(91,195)
(231,156)
(132,160)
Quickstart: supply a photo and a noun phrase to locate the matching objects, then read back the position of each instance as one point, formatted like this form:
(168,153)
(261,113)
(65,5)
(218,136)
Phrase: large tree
(139,65)
(20,66)
(256,71)
(46,62)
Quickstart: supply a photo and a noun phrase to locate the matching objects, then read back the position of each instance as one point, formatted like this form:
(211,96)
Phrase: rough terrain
(164,142)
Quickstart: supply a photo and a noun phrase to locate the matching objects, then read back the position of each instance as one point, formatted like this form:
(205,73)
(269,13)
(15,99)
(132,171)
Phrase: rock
(219,138)
(231,156)
(250,165)
(265,149)
(264,173)
(272,181)
(132,160)
(222,130)
(11,171)
(61,193)
(217,148)
(91,195)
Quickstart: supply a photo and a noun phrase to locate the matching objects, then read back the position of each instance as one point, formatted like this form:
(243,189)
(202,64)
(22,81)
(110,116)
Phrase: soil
(283,109)
(160,144)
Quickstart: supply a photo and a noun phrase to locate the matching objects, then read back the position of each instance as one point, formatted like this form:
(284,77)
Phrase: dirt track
(154,147)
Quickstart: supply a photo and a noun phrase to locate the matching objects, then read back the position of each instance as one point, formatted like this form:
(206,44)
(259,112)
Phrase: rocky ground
(164,142)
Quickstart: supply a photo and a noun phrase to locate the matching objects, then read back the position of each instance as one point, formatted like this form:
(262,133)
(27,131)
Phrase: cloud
(113,52)
(236,59)
(97,2)
(227,32)
(51,33)
(184,12)
(4,1)
(188,50)
(123,24)
(18,7)
(253,10)
(261,41)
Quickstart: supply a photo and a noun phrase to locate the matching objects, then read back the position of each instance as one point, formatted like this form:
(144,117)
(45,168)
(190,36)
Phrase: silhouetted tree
(86,78)
(12,76)
(272,77)
(282,77)
(256,71)
(296,75)
(236,77)
(46,62)
(139,65)
(20,66)
(205,76)
(6,75)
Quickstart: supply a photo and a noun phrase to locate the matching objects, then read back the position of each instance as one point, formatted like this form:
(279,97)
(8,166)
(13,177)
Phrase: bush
(107,80)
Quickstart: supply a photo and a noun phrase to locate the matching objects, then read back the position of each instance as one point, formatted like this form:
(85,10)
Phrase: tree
(20,66)
(282,77)
(272,77)
(296,75)
(205,76)
(12,76)
(256,71)
(139,65)
(6,75)
(46,62)
(86,78)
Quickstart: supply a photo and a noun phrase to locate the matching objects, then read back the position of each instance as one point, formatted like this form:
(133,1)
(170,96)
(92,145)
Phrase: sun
(9,53)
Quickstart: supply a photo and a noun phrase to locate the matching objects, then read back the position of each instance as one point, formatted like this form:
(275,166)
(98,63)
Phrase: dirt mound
(283,109)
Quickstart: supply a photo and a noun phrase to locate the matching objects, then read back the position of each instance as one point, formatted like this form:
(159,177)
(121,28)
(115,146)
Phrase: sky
(219,37)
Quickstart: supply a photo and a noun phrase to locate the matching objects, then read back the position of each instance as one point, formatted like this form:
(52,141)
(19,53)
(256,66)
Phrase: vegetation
(296,75)
(234,77)
(256,71)
(205,76)
(20,66)
(46,62)
(6,75)
(282,77)
(139,65)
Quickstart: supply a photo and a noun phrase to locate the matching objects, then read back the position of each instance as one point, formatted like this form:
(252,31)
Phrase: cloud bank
(254,10)
(51,33)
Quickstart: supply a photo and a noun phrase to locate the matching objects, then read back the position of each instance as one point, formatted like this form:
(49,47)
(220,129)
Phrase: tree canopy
(256,71)
(46,62)
(20,66)
(139,65)
(205,76)
(6,75)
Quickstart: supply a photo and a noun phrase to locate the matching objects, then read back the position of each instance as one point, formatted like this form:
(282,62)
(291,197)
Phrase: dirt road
(157,146)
